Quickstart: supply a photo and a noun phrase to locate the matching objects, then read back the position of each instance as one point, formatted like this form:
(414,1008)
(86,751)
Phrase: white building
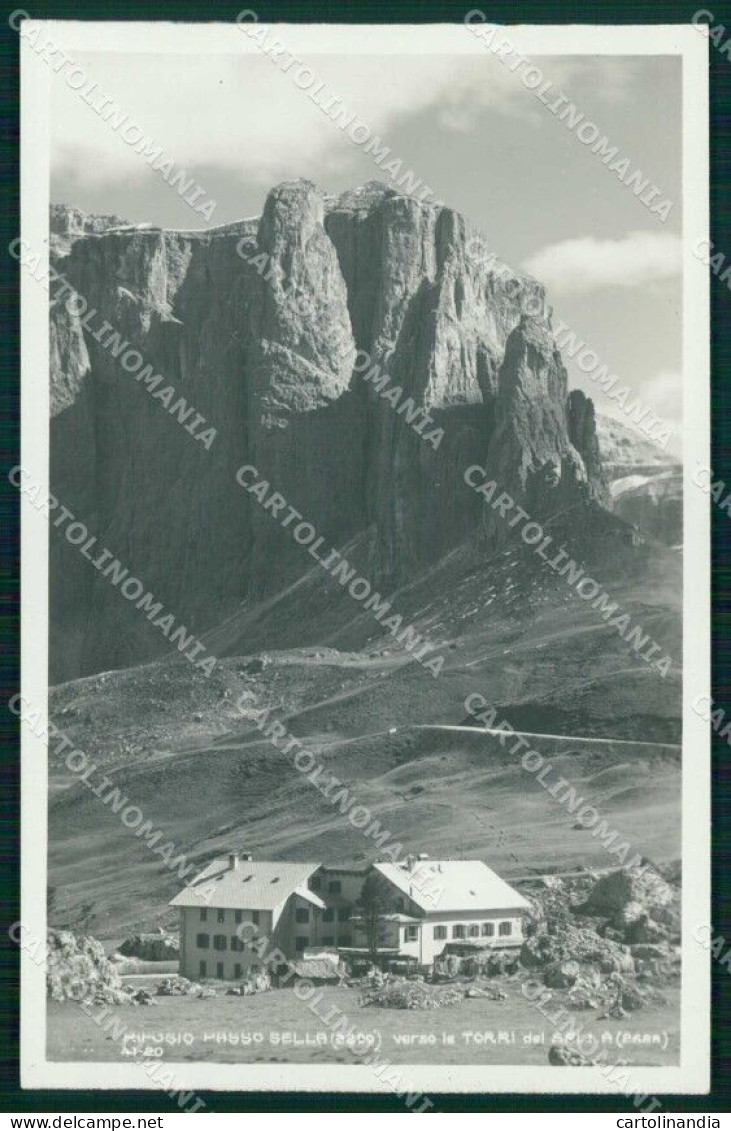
(299,907)
(436,902)
(296,907)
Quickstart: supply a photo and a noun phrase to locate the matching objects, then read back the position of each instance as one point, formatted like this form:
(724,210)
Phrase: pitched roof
(257,885)
(391,918)
(452,885)
(305,893)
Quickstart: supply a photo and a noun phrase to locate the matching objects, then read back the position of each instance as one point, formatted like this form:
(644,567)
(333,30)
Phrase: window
(328,915)
(328,940)
(204,914)
(345,940)
(411,933)
(203,941)
(335,887)
(343,914)
(473,930)
(458,931)
(236,943)
(201,969)
(400,903)
(255,917)
(237,970)
(315,883)
(239,916)
(222,916)
(219,970)
(488,929)
(302,915)
(440,932)
(300,942)
(219,942)
(505,928)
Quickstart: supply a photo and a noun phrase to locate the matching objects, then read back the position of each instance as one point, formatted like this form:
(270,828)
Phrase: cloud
(589,264)
(240,113)
(664,394)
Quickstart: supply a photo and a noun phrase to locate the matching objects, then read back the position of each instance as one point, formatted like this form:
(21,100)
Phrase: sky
(467,127)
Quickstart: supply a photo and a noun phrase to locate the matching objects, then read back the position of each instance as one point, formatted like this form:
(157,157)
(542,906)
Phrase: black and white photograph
(365,487)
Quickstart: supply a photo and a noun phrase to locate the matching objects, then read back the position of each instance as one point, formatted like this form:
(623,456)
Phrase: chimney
(245,856)
(423,856)
(410,863)
(233,861)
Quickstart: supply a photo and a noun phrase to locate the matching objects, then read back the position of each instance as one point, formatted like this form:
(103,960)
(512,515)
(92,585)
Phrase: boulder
(651,950)
(78,970)
(494,993)
(612,893)
(620,961)
(176,986)
(581,1000)
(627,915)
(631,997)
(624,997)
(143,997)
(668,917)
(494,964)
(577,944)
(644,930)
(531,952)
(453,965)
(562,1057)
(540,950)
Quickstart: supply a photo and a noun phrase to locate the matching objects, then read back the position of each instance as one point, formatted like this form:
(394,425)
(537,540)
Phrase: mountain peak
(264,348)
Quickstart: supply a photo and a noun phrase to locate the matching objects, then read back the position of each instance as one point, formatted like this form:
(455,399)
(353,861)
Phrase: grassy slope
(500,1027)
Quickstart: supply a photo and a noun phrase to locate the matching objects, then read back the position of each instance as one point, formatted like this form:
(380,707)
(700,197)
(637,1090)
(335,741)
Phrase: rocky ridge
(256,325)
(645,481)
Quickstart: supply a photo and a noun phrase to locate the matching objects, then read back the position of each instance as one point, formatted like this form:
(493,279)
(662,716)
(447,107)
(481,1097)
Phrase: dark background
(12,1099)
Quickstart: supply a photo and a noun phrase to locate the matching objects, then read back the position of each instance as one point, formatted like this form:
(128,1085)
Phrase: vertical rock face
(534,453)
(300,325)
(256,325)
(66,225)
(432,309)
(305,434)
(531,430)
(149,491)
(583,434)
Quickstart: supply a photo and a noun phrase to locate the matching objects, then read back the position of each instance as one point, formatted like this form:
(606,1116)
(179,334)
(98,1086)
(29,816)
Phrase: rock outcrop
(617,891)
(359,352)
(67,225)
(645,481)
(78,970)
(583,434)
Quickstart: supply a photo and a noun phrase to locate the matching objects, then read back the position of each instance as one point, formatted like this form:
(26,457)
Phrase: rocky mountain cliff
(356,351)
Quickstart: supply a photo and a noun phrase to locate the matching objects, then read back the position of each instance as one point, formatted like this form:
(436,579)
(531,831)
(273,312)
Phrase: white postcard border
(692,1076)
